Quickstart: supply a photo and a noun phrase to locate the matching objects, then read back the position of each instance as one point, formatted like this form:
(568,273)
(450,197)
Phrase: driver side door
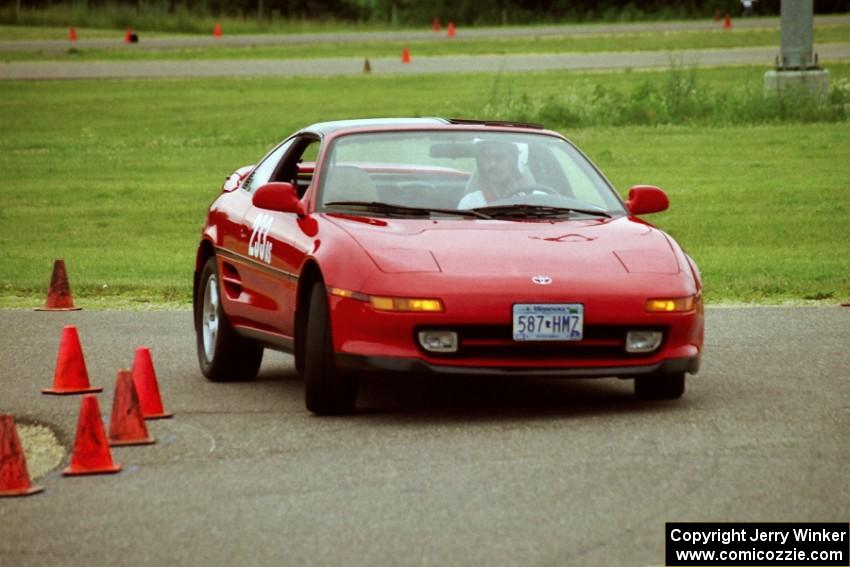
(275,246)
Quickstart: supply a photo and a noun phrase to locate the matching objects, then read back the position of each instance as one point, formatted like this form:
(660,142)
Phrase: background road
(434,471)
(386,65)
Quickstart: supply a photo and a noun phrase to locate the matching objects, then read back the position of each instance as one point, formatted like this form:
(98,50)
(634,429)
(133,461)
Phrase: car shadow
(465,398)
(393,397)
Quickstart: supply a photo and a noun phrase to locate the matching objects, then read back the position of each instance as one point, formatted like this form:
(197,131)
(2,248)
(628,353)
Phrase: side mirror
(235,179)
(276,196)
(645,199)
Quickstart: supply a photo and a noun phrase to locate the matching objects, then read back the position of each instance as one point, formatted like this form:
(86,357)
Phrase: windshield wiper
(540,211)
(391,208)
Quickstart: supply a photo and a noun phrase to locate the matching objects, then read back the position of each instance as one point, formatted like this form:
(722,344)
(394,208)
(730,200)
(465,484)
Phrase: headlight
(643,341)
(438,341)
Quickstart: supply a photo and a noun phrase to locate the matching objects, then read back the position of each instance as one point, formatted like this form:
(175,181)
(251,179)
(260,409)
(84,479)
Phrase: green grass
(678,96)
(115,176)
(765,210)
(198,17)
(156,16)
(441,46)
(21,33)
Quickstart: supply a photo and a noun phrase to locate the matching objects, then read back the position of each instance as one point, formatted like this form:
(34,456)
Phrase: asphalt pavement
(434,471)
(38,70)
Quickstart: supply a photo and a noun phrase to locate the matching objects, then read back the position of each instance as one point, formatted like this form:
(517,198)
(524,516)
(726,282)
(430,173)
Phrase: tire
(660,386)
(223,355)
(300,338)
(327,390)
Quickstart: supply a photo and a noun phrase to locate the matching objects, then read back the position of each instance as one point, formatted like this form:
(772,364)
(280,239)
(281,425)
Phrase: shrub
(677,99)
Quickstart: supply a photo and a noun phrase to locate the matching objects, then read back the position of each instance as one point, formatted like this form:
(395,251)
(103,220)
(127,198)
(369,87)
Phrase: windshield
(497,173)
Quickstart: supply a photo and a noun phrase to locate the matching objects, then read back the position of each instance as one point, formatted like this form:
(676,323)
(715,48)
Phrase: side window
(311,152)
(298,165)
(307,165)
(583,187)
(547,170)
(262,174)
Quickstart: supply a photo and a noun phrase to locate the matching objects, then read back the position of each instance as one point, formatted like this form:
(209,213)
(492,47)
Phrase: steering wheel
(531,189)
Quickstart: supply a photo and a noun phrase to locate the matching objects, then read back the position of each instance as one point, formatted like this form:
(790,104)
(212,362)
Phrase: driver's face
(497,165)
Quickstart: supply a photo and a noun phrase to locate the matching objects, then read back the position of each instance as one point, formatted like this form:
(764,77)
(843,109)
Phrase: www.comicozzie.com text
(743,534)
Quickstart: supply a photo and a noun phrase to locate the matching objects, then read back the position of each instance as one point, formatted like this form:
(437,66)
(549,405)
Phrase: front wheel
(327,390)
(660,386)
(223,355)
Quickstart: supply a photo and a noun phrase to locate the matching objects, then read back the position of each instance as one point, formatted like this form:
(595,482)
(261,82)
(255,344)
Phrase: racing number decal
(259,246)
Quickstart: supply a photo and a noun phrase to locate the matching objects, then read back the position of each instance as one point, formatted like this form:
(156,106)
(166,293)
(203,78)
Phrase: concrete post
(797,37)
(796,66)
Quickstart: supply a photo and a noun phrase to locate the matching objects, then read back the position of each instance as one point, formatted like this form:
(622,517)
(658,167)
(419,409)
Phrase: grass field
(115,176)
(159,18)
(198,17)
(439,46)
(25,33)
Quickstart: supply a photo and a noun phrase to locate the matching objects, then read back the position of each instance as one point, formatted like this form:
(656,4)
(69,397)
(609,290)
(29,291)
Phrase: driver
(497,175)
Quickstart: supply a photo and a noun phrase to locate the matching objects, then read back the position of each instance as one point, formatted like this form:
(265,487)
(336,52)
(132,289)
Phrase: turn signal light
(347,293)
(677,305)
(391,303)
(339,292)
(406,304)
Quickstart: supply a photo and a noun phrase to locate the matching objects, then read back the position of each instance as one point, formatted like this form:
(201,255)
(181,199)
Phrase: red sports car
(450,246)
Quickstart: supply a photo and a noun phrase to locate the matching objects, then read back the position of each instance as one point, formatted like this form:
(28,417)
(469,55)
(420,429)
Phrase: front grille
(496,342)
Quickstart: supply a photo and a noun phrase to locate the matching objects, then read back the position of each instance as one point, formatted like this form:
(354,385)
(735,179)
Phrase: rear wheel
(660,386)
(327,390)
(223,355)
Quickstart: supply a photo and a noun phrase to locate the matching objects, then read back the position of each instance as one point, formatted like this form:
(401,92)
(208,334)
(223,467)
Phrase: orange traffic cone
(91,450)
(59,296)
(128,35)
(14,477)
(71,376)
(435,25)
(144,377)
(405,56)
(72,34)
(126,423)
(450,29)
(217,30)
(367,67)
(727,22)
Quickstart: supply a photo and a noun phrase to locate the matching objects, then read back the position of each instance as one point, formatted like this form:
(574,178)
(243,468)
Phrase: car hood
(599,248)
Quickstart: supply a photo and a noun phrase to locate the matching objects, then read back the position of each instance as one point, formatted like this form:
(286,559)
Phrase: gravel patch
(42,449)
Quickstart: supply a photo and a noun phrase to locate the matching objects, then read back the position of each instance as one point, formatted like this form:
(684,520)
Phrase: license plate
(548,321)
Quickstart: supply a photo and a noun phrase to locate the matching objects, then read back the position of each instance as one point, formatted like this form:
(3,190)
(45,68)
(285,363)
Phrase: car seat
(349,183)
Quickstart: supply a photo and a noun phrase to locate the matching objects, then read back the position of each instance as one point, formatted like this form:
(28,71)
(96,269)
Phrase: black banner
(757,544)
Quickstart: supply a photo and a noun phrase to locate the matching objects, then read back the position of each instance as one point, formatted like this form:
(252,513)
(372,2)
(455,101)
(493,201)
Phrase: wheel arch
(310,274)
(205,252)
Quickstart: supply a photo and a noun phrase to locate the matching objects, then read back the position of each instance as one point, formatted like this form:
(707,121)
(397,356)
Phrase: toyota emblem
(542,280)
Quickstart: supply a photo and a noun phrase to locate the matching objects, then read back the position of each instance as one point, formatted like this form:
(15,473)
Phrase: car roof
(325,128)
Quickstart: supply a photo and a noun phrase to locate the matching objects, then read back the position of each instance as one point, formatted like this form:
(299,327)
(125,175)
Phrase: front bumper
(365,339)
(359,363)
